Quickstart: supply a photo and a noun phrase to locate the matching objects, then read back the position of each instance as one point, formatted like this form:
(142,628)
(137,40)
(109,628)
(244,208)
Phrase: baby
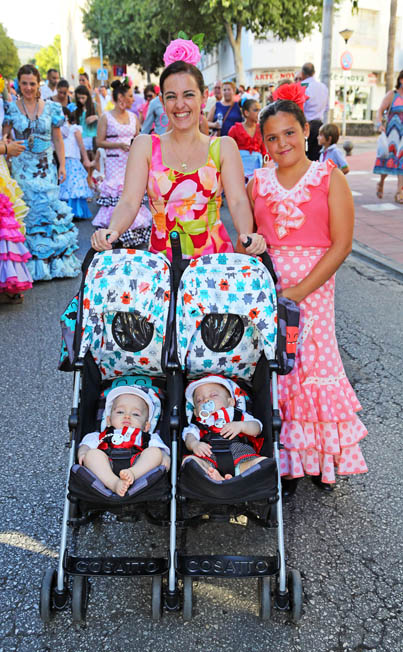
(213,401)
(128,413)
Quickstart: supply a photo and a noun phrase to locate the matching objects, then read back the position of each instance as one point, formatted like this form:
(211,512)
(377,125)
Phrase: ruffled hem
(322,448)
(67,266)
(103,217)
(80,208)
(12,235)
(14,276)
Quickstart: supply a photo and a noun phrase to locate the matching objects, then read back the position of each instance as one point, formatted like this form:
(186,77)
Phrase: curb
(376,259)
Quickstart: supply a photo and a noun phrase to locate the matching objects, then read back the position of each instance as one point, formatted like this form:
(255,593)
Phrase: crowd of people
(182,148)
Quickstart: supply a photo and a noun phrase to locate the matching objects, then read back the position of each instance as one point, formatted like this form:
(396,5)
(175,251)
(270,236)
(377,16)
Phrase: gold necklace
(183,165)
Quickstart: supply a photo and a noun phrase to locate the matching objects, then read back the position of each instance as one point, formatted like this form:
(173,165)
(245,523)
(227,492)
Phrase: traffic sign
(102,74)
(346,60)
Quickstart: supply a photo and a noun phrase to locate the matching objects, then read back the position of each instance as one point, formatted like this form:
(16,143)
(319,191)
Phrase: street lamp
(346,63)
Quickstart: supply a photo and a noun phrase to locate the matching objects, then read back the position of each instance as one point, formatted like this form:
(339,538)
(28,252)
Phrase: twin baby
(129,412)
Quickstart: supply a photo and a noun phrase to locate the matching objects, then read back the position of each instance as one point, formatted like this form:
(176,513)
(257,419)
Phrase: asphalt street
(348,545)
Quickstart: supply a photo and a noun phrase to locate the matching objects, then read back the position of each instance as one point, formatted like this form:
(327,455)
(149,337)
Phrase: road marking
(380,207)
(356,194)
(358,172)
(388,178)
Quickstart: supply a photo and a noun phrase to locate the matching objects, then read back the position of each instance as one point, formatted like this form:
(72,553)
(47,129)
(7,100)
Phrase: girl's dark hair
(119,88)
(400,75)
(89,104)
(63,83)
(182,66)
(29,69)
(150,88)
(69,114)
(246,105)
(283,106)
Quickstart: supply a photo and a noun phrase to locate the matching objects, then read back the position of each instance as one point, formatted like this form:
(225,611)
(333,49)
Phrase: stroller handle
(266,260)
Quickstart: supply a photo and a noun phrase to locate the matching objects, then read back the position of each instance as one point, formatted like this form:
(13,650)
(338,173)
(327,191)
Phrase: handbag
(382,147)
(218,131)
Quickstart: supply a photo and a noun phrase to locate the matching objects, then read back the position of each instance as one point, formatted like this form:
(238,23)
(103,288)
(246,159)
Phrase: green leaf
(198,40)
(183,35)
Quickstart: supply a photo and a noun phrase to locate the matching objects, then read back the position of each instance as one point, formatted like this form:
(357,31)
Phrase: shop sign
(355,77)
(264,78)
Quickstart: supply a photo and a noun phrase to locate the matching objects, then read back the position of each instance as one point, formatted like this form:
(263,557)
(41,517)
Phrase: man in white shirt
(212,99)
(104,97)
(314,108)
(49,88)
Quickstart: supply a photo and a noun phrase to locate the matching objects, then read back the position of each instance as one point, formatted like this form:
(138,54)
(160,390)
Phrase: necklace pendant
(184,166)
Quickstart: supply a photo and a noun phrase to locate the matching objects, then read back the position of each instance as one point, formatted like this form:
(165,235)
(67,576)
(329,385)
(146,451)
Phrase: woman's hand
(91,119)
(257,245)
(102,239)
(62,174)
(124,146)
(15,147)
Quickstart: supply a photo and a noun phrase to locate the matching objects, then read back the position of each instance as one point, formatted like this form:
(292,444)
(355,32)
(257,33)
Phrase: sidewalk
(378,232)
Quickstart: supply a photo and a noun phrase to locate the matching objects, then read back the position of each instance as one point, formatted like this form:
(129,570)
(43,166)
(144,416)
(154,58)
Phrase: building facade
(270,60)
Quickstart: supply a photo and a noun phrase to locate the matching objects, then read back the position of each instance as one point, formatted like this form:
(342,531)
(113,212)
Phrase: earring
(306,144)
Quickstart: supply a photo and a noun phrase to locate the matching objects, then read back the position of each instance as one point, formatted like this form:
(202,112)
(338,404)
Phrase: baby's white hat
(220,380)
(147,394)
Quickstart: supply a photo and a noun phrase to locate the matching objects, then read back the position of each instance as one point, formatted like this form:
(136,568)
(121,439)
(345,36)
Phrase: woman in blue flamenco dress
(51,236)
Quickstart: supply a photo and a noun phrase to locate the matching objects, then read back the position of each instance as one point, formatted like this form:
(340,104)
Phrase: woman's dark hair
(246,105)
(119,88)
(400,75)
(29,69)
(182,66)
(89,104)
(281,106)
(84,74)
(150,88)
(63,83)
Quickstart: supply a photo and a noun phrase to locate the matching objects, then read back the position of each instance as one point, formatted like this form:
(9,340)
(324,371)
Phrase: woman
(183,171)
(248,138)
(226,113)
(86,115)
(62,95)
(116,130)
(305,211)
(84,80)
(51,237)
(149,95)
(393,162)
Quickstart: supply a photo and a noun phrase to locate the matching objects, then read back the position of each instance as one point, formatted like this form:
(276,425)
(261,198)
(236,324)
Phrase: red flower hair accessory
(294,92)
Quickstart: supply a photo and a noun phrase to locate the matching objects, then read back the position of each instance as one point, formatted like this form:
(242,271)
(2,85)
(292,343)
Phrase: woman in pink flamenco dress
(306,214)
(183,171)
(116,131)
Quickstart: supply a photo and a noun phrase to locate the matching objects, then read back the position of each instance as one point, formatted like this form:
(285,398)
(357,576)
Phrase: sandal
(399,197)
(379,190)
(11,298)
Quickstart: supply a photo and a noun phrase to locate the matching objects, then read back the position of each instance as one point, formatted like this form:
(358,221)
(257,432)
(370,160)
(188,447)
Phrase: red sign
(346,60)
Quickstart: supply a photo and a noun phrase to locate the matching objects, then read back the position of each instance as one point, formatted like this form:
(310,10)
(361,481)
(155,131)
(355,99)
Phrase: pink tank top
(298,216)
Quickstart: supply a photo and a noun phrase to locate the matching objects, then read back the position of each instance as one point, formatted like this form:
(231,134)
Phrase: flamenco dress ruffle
(320,430)
(75,189)
(14,275)
(11,189)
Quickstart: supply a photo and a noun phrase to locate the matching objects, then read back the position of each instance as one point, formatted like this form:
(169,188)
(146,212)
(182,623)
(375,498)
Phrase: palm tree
(390,57)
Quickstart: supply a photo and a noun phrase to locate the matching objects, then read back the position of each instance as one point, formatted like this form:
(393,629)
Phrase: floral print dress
(187,202)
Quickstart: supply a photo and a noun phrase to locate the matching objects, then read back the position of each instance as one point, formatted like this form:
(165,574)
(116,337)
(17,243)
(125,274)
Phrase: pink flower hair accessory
(182,50)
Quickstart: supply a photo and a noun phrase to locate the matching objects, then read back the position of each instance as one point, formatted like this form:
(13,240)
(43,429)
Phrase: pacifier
(206,409)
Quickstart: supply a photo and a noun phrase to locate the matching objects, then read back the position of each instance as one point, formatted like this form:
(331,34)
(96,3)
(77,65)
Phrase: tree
(48,57)
(138,31)
(390,57)
(9,61)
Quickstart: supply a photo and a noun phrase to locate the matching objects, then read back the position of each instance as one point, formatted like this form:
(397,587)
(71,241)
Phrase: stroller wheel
(294,583)
(187,598)
(264,598)
(156,598)
(79,599)
(46,603)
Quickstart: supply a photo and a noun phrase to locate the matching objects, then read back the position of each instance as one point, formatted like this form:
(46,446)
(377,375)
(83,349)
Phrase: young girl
(248,138)
(305,211)
(86,116)
(75,189)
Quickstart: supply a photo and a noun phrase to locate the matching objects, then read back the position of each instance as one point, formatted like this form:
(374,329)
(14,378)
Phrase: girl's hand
(292,293)
(88,164)
(91,119)
(124,146)
(62,174)
(102,239)
(256,246)
(15,147)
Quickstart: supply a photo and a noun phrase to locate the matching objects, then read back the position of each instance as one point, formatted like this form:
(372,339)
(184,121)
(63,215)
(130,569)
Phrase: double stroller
(141,320)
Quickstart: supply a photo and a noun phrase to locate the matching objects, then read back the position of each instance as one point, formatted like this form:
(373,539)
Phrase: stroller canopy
(125,308)
(226,316)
